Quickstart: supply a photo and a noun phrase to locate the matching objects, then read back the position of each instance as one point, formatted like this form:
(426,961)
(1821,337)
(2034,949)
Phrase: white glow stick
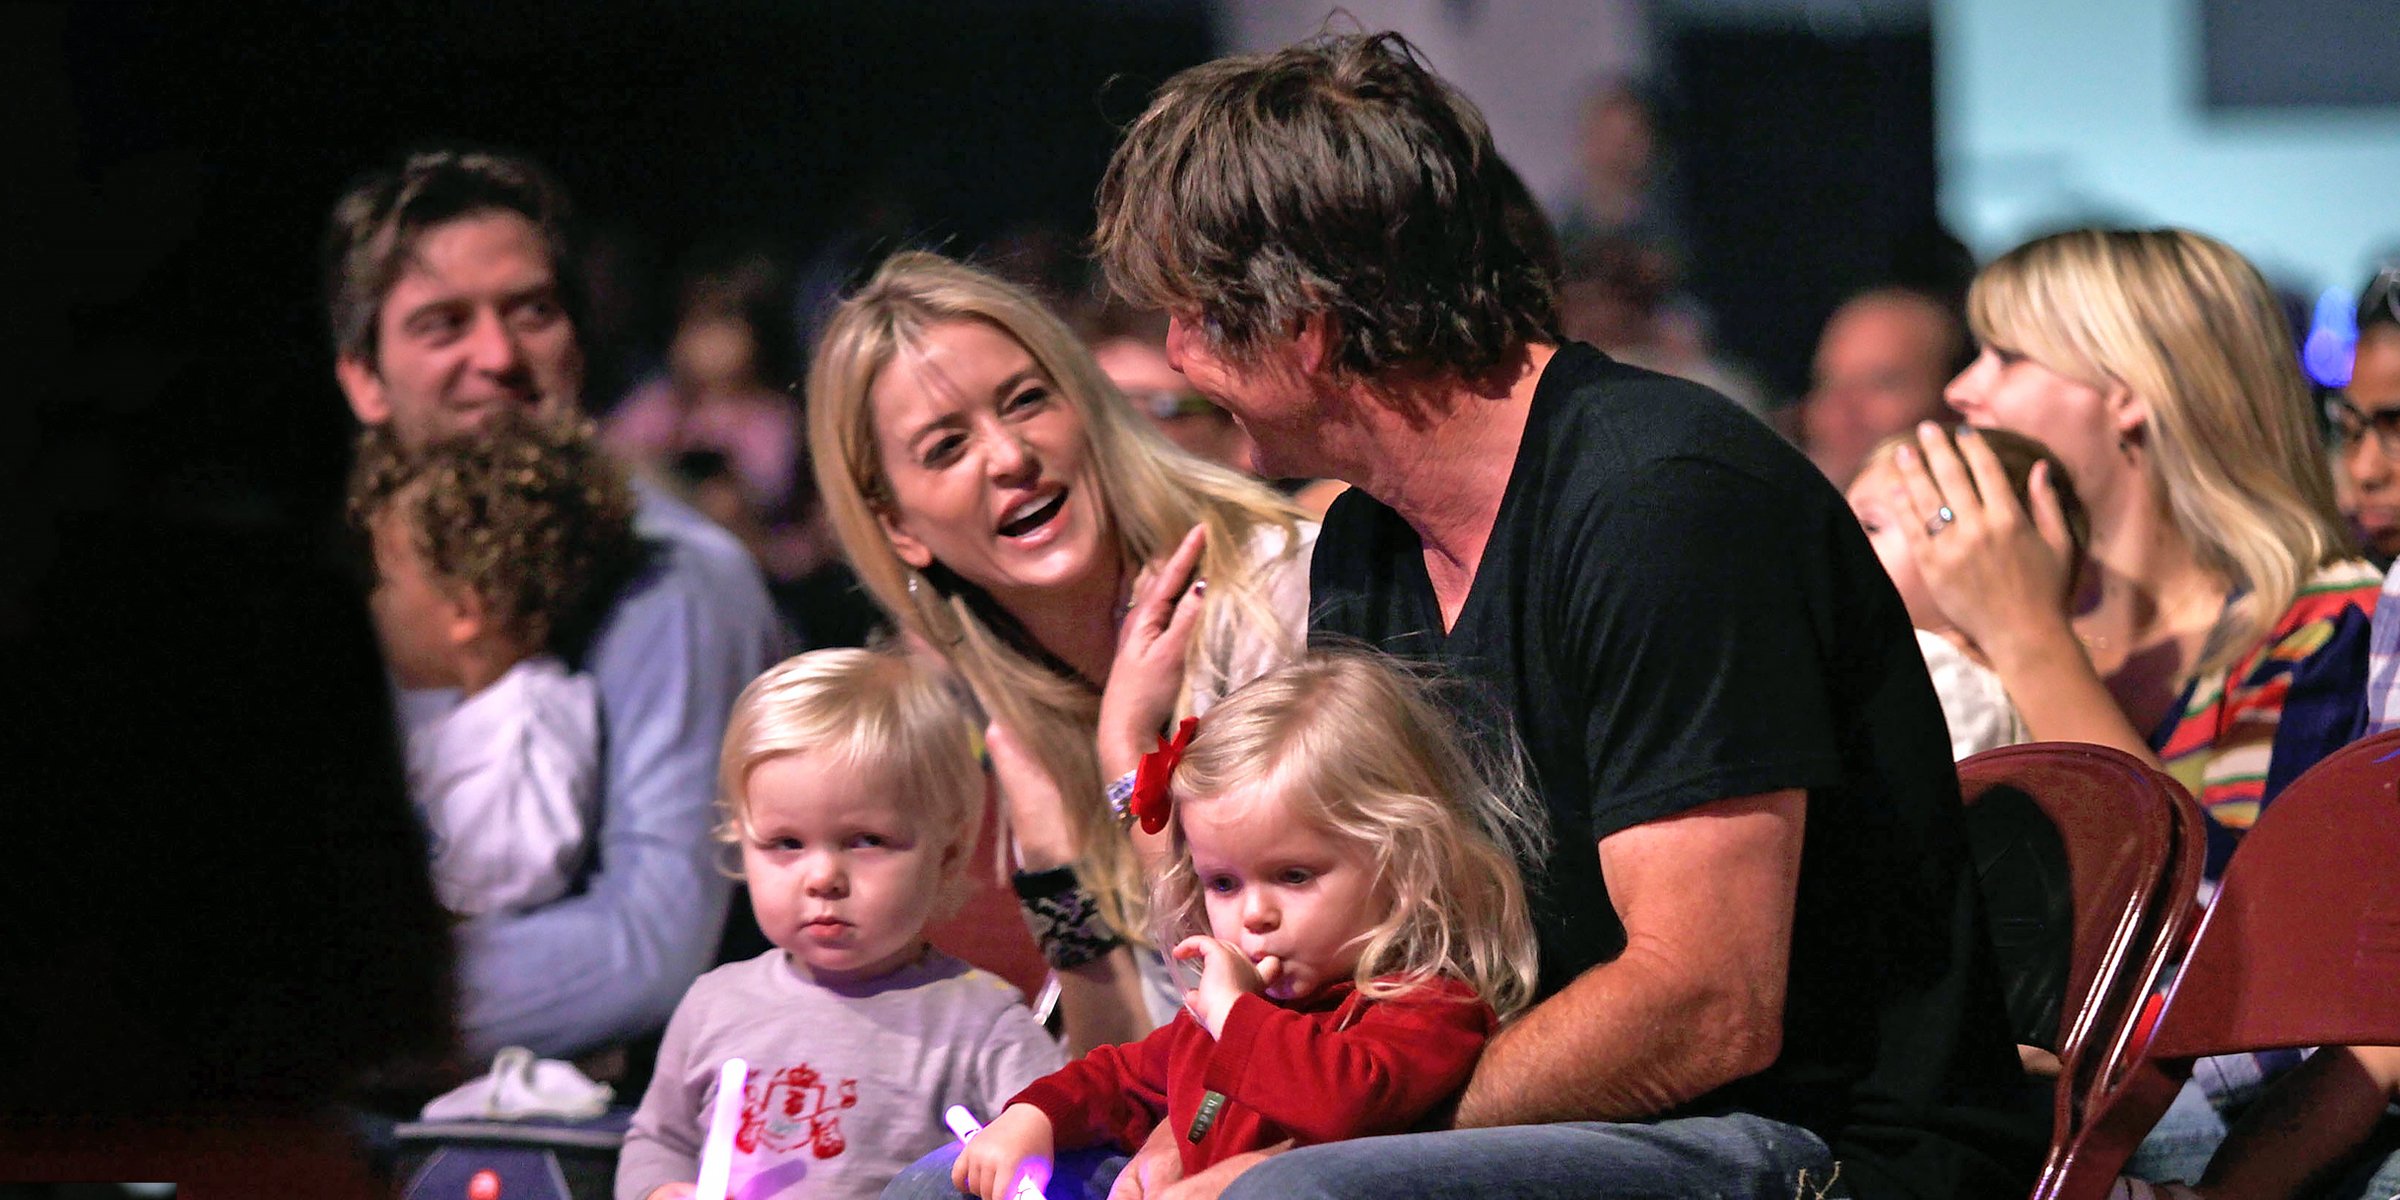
(964,1124)
(716,1154)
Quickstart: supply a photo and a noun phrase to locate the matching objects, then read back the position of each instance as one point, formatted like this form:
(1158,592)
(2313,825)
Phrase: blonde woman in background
(1089,582)
(2224,633)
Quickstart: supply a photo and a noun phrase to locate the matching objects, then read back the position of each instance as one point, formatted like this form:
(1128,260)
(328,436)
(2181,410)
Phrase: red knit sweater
(1333,1066)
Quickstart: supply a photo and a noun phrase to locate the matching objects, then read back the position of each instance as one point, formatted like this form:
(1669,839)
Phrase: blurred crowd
(2103,493)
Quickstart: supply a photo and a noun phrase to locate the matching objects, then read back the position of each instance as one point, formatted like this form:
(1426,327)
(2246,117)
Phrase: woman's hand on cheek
(1995,571)
(1037,814)
(1147,674)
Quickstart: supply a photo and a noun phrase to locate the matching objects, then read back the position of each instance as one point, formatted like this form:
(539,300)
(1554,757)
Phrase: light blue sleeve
(2383,659)
(608,963)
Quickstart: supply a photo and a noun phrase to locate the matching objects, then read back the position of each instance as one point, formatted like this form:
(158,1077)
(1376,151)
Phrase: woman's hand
(672,1191)
(1998,573)
(1152,641)
(1037,814)
(1225,976)
(1015,1145)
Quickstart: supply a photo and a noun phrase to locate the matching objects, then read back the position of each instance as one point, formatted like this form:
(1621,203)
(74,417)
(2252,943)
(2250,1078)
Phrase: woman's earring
(912,585)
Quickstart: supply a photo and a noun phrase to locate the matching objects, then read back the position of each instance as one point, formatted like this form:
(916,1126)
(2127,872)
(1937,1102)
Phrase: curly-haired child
(494,555)
(1346,876)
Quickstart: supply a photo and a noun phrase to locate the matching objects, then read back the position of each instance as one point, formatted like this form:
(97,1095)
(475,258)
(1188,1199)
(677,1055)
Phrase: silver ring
(1942,517)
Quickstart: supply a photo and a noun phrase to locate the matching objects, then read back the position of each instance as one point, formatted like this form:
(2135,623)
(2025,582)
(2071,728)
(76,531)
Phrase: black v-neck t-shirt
(1676,608)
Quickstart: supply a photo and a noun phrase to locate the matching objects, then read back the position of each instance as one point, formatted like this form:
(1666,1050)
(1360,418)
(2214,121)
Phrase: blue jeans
(1078,1175)
(2220,1088)
(2179,1146)
(1731,1156)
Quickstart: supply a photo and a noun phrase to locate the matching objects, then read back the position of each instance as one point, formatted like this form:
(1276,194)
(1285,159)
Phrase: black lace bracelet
(1065,919)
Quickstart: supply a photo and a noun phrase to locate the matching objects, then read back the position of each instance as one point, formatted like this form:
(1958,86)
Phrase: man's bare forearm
(1621,1043)
(1696,999)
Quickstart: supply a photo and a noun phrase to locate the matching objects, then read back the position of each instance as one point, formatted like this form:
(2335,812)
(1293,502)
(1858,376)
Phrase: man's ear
(1313,348)
(363,388)
(910,550)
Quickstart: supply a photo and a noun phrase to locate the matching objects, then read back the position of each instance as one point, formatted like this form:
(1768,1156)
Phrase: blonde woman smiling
(1090,582)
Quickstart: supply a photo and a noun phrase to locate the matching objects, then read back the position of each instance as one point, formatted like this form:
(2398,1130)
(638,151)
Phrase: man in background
(1882,362)
(451,297)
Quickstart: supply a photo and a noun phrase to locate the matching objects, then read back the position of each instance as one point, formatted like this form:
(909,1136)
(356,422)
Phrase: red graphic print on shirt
(796,1108)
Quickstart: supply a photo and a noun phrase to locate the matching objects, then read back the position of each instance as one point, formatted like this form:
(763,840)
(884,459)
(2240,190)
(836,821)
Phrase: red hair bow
(1149,804)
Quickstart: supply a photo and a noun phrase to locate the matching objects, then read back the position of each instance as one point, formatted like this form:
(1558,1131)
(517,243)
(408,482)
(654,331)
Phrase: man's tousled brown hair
(1338,177)
(373,231)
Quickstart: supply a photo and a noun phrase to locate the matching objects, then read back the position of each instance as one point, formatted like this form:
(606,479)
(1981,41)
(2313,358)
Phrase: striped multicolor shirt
(2244,731)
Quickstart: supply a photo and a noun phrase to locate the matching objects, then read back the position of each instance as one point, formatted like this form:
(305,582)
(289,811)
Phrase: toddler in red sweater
(1345,875)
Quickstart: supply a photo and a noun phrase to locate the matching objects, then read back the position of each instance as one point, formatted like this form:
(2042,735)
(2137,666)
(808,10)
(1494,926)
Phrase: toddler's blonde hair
(1357,748)
(880,710)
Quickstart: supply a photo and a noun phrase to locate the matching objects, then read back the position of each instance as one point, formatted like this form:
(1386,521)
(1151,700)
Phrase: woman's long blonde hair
(1357,748)
(1150,495)
(2188,326)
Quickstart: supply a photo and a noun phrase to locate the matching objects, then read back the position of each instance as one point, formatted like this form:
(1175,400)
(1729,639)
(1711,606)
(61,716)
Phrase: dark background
(175,163)
(172,444)
(187,154)
(1808,167)
(2299,54)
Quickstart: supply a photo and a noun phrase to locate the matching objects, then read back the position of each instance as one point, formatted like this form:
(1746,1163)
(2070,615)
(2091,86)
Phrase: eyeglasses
(1167,404)
(2382,292)
(2350,424)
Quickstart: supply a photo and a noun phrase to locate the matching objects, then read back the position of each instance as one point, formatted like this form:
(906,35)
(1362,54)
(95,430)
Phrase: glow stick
(716,1154)
(964,1124)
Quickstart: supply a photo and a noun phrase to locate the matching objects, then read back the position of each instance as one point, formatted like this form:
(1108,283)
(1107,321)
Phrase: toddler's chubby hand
(1226,975)
(1016,1144)
(672,1191)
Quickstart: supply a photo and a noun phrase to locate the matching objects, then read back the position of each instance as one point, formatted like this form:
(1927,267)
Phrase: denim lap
(1733,1157)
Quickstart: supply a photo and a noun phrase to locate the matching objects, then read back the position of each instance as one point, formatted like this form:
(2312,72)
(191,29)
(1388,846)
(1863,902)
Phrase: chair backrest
(2130,844)
(2301,947)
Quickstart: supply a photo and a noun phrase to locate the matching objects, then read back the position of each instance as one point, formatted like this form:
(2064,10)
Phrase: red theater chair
(2300,948)
(2123,844)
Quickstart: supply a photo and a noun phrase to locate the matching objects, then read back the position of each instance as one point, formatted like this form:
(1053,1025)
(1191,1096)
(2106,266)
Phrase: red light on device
(484,1186)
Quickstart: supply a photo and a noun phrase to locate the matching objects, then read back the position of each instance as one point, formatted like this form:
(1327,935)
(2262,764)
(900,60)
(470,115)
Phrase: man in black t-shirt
(1772,977)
